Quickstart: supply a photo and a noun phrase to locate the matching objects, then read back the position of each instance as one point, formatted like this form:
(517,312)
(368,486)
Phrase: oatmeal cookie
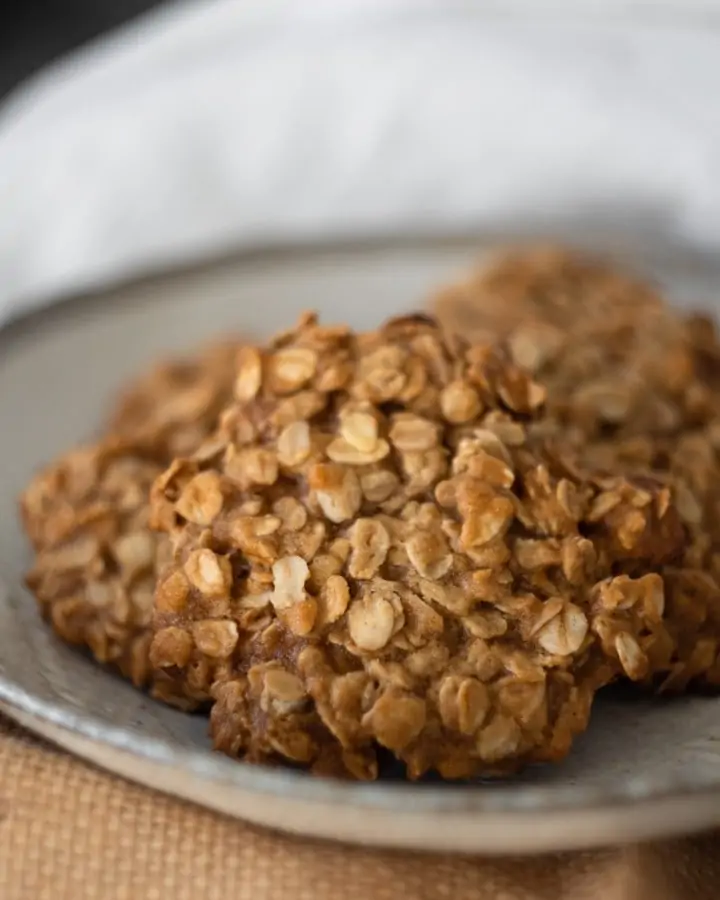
(371,553)
(612,355)
(94,568)
(87,514)
(177,403)
(632,386)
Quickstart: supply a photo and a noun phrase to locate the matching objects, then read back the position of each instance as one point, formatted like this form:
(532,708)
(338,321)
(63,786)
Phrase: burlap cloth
(71,832)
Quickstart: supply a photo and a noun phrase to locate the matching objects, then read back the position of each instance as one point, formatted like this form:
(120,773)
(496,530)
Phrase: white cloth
(225,125)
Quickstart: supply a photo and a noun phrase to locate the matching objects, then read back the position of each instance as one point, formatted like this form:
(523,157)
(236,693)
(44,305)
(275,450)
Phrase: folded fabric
(219,126)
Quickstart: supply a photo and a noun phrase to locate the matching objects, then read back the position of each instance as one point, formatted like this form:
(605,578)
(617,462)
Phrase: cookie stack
(438,539)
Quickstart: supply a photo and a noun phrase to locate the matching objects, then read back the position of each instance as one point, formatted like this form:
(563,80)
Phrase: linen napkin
(217,126)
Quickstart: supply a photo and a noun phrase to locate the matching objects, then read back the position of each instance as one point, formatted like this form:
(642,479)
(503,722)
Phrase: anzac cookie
(613,357)
(632,386)
(95,555)
(87,514)
(372,552)
(177,403)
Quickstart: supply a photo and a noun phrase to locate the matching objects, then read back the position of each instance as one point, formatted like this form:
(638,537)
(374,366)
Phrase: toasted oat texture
(94,570)
(611,354)
(371,553)
(87,514)
(635,388)
(177,403)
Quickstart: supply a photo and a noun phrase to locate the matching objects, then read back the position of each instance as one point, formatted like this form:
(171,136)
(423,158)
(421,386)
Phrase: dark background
(35,32)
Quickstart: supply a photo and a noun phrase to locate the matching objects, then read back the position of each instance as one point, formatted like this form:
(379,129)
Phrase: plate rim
(503,832)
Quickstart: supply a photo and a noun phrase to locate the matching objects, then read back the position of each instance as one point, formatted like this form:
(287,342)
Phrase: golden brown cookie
(94,568)
(177,402)
(87,514)
(613,357)
(632,386)
(372,553)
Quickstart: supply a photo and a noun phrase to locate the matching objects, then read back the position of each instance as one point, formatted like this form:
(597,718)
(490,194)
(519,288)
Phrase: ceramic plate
(645,768)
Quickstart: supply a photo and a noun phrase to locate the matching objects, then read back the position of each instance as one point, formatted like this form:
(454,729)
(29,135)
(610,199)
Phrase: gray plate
(646,768)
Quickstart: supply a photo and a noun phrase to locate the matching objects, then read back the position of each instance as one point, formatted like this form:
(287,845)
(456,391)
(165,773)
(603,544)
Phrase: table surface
(71,832)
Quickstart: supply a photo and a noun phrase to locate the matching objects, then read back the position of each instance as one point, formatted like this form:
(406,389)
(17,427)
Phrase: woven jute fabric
(69,831)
